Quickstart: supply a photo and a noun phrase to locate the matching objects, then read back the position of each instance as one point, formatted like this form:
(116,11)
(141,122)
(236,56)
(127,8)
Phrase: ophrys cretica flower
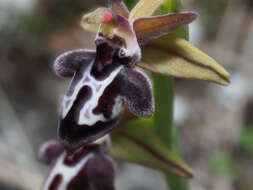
(106,79)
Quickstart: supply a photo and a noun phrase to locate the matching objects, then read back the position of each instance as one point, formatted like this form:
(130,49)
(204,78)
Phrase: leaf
(136,143)
(148,28)
(144,8)
(171,55)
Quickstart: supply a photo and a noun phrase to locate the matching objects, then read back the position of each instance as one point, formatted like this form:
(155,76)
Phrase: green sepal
(135,142)
(144,8)
(171,55)
(91,21)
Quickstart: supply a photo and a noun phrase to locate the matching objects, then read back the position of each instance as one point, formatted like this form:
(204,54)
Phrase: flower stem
(163,90)
(163,123)
(164,97)
(163,117)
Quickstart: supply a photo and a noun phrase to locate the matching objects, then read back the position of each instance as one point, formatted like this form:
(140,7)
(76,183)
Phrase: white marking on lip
(67,172)
(118,107)
(93,101)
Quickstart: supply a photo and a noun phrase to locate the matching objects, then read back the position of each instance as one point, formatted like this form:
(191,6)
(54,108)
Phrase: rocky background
(215,123)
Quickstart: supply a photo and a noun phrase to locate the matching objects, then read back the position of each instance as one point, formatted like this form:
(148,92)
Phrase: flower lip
(87,166)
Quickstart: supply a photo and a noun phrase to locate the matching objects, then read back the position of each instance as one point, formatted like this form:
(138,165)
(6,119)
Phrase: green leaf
(171,55)
(135,142)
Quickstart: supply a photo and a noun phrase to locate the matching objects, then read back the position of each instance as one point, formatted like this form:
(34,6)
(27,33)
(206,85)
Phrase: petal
(118,7)
(136,143)
(144,8)
(153,27)
(173,56)
(135,87)
(50,151)
(67,63)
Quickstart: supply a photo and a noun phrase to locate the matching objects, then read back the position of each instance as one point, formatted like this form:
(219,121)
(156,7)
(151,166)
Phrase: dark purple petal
(84,168)
(50,151)
(67,63)
(135,87)
(118,7)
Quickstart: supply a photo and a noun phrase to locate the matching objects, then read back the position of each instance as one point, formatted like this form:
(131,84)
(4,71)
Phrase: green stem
(163,123)
(163,117)
(163,90)
(173,181)
(164,96)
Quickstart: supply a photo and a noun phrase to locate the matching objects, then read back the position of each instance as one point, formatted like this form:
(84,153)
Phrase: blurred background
(215,123)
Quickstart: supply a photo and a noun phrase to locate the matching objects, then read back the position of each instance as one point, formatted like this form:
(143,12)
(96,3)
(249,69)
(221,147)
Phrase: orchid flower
(106,79)
(86,168)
